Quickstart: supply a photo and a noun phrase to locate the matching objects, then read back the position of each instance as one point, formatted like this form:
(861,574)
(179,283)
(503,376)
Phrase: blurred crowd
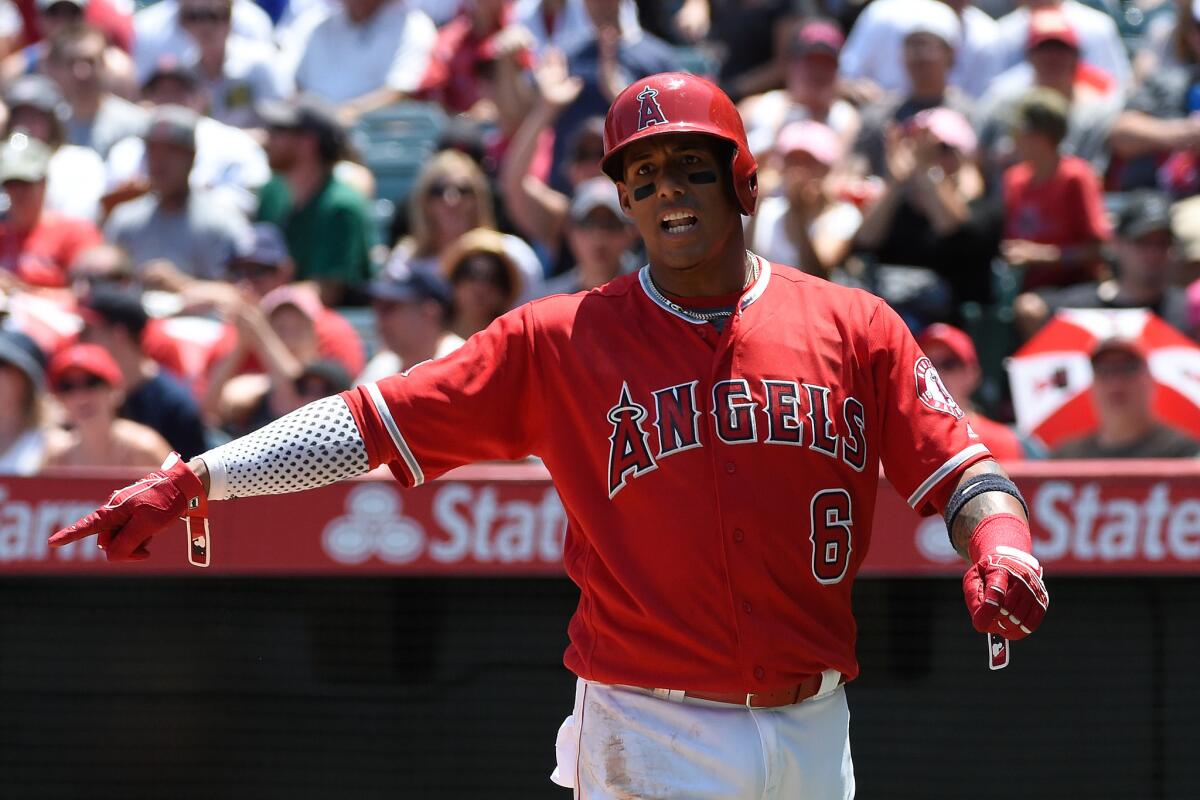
(215,211)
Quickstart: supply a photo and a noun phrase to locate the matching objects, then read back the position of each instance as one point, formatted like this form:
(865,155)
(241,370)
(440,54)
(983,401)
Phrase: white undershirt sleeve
(313,446)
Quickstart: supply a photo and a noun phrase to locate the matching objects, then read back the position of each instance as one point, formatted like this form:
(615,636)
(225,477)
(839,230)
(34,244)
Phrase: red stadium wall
(1089,518)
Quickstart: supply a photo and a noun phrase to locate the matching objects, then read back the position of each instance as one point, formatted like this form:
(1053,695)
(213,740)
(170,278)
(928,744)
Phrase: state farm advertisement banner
(1118,519)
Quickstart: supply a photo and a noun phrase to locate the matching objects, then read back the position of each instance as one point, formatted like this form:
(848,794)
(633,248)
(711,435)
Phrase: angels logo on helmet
(932,391)
(649,111)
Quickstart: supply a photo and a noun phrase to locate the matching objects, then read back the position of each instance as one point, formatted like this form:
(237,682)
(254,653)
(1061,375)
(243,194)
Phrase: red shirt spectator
(466,50)
(36,244)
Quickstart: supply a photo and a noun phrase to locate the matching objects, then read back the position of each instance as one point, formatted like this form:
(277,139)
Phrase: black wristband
(988,482)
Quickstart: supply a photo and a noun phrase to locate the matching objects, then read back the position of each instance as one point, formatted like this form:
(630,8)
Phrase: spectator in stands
(805,225)
(1054,220)
(1161,121)
(599,236)
(932,220)
(366,54)
(1144,266)
(260,266)
(194,230)
(748,39)
(36,244)
(612,57)
(1053,57)
(279,332)
(477,65)
(318,379)
(22,425)
(952,354)
(1099,39)
(485,279)
(874,48)
(929,46)
(88,384)
(99,119)
(75,177)
(102,265)
(1123,396)
(235,73)
(452,196)
(412,318)
(564,24)
(228,161)
(55,15)
(116,320)
(159,32)
(810,91)
(327,224)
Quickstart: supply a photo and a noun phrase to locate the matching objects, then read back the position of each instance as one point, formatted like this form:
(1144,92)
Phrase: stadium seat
(395,143)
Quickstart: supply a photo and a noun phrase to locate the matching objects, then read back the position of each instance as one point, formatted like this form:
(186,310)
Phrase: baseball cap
(818,37)
(90,358)
(931,16)
(37,91)
(592,194)
(172,124)
(413,285)
(263,244)
(116,306)
(1145,212)
(1050,25)
(303,298)
(1119,344)
(23,353)
(169,65)
(815,138)
(23,158)
(953,339)
(948,127)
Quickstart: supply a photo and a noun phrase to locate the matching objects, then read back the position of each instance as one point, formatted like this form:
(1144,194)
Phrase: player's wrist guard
(1003,588)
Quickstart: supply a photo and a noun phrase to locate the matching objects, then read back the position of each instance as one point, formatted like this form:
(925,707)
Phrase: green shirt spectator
(327,224)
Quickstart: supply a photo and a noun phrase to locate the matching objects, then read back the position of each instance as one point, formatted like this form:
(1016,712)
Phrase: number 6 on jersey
(831,515)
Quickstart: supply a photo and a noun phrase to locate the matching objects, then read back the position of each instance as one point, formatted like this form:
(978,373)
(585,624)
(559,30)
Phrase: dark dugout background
(454,688)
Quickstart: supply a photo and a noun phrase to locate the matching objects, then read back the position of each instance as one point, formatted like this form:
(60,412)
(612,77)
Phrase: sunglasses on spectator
(480,268)
(313,387)
(948,364)
(201,15)
(590,155)
(447,191)
(86,382)
(250,271)
(606,222)
(1117,369)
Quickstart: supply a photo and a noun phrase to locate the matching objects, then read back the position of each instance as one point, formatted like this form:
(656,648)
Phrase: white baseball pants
(622,743)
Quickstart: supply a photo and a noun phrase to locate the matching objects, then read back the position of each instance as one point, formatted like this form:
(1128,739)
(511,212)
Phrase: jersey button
(759,673)
(747,607)
(738,534)
(730,467)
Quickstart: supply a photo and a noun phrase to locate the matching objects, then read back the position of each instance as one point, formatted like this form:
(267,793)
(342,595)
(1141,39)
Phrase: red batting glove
(133,515)
(1003,588)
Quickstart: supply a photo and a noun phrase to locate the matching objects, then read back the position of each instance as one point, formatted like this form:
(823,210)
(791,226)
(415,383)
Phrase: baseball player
(714,425)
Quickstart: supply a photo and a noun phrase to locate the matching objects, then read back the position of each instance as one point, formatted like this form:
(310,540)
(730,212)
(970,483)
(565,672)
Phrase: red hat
(90,358)
(1051,25)
(304,298)
(1120,344)
(955,340)
(818,36)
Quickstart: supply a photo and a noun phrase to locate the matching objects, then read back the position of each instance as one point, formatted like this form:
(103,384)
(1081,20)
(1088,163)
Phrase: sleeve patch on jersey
(932,391)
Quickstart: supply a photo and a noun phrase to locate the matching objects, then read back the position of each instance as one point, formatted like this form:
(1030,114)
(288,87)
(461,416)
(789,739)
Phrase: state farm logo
(372,526)
(470,524)
(25,526)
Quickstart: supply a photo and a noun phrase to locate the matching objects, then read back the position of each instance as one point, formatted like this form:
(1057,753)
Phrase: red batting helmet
(679,102)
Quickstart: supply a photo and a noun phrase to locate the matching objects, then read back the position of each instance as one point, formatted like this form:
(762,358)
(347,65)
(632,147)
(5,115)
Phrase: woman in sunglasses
(485,280)
(450,197)
(87,384)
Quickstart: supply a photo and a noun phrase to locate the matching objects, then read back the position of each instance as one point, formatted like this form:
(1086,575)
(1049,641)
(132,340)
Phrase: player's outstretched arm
(989,527)
(313,446)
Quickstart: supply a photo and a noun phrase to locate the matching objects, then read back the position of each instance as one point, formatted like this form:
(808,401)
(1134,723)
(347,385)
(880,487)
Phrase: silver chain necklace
(704,316)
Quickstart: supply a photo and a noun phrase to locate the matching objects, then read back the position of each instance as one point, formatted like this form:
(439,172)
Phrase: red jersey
(719,486)
(42,256)
(1067,209)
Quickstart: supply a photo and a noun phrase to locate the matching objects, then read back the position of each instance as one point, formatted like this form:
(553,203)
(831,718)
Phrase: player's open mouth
(678,222)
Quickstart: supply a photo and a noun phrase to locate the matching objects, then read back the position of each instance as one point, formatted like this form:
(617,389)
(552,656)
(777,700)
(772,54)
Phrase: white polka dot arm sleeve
(313,446)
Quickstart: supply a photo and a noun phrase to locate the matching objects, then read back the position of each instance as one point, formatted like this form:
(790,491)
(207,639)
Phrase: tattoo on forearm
(980,507)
